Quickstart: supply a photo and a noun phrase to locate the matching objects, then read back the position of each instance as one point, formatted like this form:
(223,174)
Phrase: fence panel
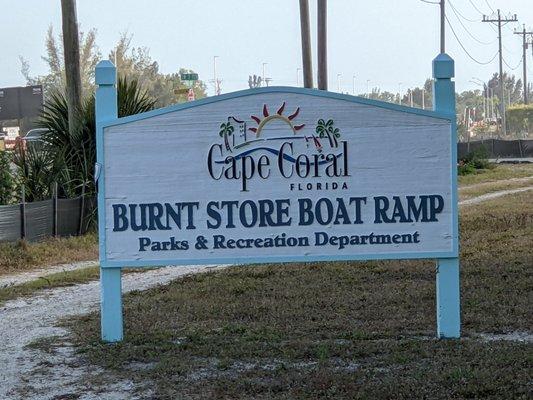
(68,216)
(10,223)
(527,148)
(487,144)
(506,148)
(39,219)
(462,150)
(496,148)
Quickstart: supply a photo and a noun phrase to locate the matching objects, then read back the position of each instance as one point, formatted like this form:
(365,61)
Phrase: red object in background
(190,95)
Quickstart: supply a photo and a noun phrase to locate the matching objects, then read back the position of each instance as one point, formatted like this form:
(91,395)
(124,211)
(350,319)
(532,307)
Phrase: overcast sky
(384,42)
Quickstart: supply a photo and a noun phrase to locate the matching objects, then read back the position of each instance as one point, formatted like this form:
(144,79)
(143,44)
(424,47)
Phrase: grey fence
(40,219)
(498,148)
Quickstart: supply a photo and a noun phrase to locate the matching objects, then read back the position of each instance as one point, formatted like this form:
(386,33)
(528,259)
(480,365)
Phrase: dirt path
(30,373)
(493,195)
(490,183)
(9,280)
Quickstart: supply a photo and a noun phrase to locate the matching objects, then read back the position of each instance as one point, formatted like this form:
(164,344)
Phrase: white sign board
(278,175)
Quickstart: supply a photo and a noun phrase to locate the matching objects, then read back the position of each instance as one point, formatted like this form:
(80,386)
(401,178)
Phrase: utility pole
(442,27)
(353,85)
(500,22)
(524,49)
(400,93)
(264,75)
(71,50)
(216,81)
(306,44)
(322,42)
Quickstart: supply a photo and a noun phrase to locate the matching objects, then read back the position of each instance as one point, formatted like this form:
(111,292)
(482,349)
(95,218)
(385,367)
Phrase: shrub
(7,183)
(36,171)
(473,161)
(75,154)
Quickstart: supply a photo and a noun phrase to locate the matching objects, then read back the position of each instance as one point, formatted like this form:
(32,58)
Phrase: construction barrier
(496,148)
(40,219)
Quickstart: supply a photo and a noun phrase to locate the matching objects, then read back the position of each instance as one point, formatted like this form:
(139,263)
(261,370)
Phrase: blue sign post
(110,278)
(277,174)
(448,287)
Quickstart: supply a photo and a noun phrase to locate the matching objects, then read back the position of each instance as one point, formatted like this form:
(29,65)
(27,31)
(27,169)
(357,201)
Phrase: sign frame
(448,308)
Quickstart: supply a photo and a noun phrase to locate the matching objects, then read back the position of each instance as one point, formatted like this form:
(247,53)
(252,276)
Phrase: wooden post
(306,44)
(71,52)
(448,280)
(82,210)
(54,211)
(322,42)
(23,214)
(110,278)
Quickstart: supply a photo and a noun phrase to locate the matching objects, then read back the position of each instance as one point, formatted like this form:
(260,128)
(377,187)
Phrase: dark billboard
(20,102)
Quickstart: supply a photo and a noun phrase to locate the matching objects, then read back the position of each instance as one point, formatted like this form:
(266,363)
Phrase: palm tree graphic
(327,128)
(226,130)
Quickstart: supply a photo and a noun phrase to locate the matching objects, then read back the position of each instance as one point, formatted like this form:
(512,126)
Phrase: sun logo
(277,116)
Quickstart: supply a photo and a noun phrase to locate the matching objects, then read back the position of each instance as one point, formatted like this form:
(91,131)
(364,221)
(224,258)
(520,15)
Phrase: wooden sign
(277,175)
(274,175)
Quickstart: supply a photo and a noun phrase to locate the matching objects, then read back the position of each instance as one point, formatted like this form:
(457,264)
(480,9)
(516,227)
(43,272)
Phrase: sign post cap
(443,66)
(106,73)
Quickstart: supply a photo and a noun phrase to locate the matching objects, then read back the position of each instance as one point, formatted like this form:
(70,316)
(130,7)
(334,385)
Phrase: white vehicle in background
(34,139)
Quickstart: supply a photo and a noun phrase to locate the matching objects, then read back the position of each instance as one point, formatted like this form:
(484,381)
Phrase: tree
(377,94)
(74,154)
(512,88)
(471,99)
(417,93)
(136,63)
(55,79)
(254,81)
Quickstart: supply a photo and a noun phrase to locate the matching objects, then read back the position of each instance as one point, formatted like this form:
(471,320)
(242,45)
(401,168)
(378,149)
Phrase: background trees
(133,62)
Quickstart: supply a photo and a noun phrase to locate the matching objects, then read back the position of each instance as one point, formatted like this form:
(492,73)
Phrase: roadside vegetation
(23,256)
(498,172)
(336,330)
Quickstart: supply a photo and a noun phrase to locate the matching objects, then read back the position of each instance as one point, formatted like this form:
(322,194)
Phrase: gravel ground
(32,374)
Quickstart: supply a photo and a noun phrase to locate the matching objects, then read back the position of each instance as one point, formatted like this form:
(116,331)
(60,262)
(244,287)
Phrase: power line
(462,16)
(488,4)
(477,9)
(465,28)
(429,2)
(517,65)
(465,50)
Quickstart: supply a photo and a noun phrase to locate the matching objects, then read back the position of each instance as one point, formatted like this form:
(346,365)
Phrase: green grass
(23,256)
(499,172)
(50,281)
(335,330)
